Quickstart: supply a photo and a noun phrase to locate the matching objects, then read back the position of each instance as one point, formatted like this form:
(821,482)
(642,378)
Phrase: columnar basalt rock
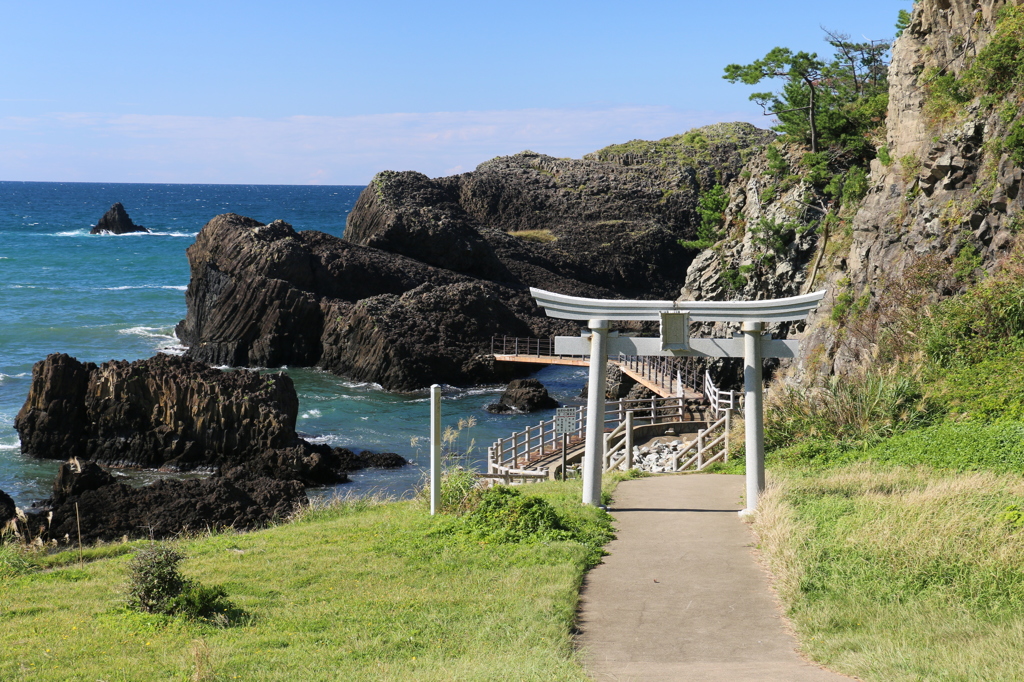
(170,413)
(116,221)
(430,269)
(7,510)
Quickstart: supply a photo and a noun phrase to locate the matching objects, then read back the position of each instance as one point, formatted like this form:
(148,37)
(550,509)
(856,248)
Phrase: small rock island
(116,221)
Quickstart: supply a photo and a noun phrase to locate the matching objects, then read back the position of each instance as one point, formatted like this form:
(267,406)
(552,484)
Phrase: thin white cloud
(314,149)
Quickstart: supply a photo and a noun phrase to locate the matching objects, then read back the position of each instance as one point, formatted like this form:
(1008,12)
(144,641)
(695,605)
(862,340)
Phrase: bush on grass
(156,586)
(505,514)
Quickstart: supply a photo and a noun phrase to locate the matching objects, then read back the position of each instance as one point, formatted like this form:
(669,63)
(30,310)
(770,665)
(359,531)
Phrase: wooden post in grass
(435,448)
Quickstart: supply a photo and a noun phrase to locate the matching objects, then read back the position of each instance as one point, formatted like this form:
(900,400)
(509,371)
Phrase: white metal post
(435,448)
(753,413)
(593,456)
(629,440)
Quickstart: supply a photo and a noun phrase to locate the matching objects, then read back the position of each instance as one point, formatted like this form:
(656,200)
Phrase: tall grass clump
(848,411)
(14,560)
(460,488)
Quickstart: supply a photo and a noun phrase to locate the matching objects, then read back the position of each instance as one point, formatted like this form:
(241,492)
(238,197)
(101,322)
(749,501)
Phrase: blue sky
(332,92)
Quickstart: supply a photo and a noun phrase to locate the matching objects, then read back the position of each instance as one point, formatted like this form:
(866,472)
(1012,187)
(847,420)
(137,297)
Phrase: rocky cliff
(949,192)
(431,269)
(940,204)
(88,502)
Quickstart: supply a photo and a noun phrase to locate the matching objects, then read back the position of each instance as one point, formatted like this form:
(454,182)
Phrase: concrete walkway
(680,596)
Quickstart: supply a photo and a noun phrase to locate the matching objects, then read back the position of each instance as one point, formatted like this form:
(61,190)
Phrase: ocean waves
(165,340)
(82,232)
(175,287)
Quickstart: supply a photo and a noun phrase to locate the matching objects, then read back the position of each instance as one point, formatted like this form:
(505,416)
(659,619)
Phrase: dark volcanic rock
(382,460)
(109,510)
(116,221)
(430,269)
(523,395)
(7,510)
(171,413)
(617,384)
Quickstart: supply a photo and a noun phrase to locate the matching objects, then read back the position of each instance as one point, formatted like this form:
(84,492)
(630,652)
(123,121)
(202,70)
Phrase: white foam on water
(481,390)
(177,287)
(312,414)
(5,446)
(149,332)
(361,384)
(72,233)
(172,349)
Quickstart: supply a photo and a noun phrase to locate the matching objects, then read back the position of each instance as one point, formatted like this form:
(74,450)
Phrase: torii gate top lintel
(772,310)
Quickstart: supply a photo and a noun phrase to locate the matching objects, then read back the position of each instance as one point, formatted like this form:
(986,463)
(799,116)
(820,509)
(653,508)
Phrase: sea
(107,297)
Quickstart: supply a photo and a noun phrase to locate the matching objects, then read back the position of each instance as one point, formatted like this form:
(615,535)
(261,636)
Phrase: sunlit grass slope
(354,592)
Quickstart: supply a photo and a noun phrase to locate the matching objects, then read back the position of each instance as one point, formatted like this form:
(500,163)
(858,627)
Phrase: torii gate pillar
(593,457)
(753,412)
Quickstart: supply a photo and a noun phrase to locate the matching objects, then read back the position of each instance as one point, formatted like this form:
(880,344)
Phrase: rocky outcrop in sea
(522,396)
(116,221)
(174,414)
(431,269)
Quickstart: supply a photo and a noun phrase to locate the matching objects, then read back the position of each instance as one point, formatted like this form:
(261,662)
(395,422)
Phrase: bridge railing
(515,345)
(719,401)
(517,450)
(673,373)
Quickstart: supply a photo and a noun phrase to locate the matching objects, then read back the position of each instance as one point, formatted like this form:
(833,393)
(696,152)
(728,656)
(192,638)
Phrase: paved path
(680,596)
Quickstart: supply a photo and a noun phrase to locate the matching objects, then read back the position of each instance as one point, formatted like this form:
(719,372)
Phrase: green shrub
(777,165)
(505,514)
(855,187)
(818,173)
(968,327)
(711,207)
(156,586)
(966,262)
(154,580)
(884,157)
(732,279)
(1014,142)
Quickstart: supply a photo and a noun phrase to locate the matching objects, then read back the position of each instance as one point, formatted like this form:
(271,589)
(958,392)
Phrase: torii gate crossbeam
(675,317)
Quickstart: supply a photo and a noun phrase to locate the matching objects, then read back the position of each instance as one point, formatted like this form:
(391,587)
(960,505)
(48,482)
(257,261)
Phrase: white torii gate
(675,318)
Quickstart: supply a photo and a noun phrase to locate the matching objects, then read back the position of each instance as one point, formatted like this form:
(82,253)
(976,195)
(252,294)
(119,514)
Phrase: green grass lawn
(895,573)
(355,592)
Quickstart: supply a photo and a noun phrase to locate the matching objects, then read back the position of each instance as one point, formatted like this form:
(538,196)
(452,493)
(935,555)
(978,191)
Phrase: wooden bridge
(667,377)
(539,453)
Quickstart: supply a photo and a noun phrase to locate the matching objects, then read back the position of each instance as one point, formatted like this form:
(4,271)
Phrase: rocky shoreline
(171,414)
